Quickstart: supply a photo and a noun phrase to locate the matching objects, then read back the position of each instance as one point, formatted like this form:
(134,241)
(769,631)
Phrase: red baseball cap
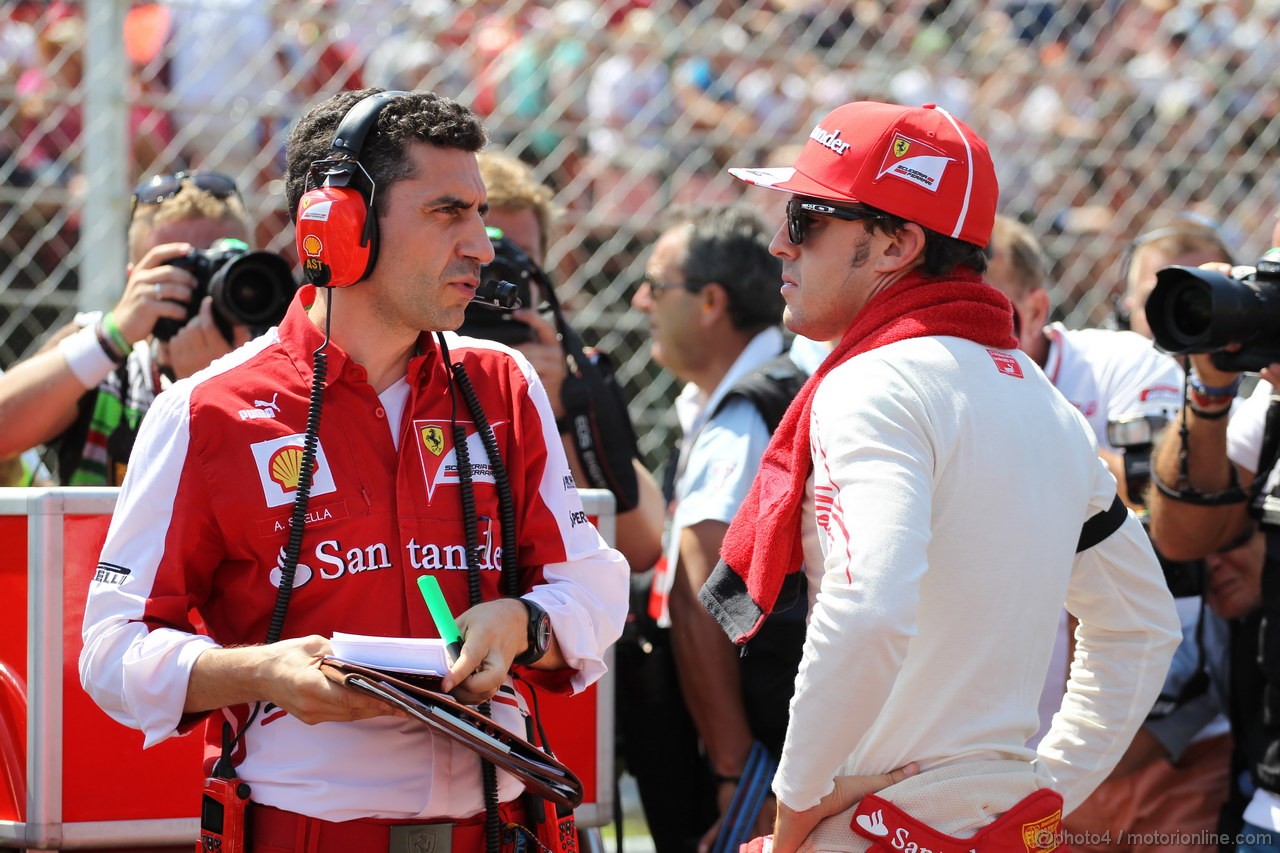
(919,163)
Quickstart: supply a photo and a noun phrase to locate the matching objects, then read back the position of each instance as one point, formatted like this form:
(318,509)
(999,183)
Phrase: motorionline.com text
(1047,840)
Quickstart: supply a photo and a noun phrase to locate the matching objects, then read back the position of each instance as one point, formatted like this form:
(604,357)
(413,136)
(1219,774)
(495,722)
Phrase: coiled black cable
(310,441)
(510,582)
(457,378)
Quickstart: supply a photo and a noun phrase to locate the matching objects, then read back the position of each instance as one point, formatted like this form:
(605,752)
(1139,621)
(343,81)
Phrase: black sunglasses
(164,187)
(799,212)
(657,287)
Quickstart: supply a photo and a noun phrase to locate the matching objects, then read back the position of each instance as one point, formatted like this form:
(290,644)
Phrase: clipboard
(419,696)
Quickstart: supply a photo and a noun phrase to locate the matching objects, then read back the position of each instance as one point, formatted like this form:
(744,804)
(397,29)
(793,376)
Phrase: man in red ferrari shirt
(205,512)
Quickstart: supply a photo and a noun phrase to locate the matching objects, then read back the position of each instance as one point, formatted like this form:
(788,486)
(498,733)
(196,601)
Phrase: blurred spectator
(86,392)
(706,87)
(330,41)
(628,99)
(50,120)
(146,31)
(220,83)
(18,39)
(539,77)
(405,62)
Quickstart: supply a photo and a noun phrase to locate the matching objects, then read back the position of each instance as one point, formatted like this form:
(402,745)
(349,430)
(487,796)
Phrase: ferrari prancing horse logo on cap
(924,167)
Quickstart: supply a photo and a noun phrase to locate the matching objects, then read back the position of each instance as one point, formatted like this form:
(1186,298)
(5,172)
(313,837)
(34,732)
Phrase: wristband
(86,357)
(1203,401)
(1206,415)
(108,346)
(109,323)
(1210,391)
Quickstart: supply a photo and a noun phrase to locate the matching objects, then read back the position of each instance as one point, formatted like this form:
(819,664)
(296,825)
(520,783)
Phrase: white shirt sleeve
(1139,379)
(1245,429)
(1128,632)
(138,675)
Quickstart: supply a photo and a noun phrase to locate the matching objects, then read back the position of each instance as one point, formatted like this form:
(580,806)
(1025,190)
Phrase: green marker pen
(440,614)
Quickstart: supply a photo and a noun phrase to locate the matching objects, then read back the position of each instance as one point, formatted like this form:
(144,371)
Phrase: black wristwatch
(539,634)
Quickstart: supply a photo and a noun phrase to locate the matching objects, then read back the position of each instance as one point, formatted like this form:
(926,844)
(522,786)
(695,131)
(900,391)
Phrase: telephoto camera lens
(253,289)
(249,288)
(1192,310)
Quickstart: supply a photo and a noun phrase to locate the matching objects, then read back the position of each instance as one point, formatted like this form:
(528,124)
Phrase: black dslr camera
(489,317)
(595,407)
(1136,435)
(1194,310)
(249,288)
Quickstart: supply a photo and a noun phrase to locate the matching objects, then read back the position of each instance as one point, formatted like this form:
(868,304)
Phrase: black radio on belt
(223,818)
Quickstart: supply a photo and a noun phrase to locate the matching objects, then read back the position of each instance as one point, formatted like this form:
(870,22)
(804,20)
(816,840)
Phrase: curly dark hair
(411,117)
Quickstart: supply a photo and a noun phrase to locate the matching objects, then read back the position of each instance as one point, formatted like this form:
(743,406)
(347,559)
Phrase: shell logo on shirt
(440,458)
(279,463)
(286,467)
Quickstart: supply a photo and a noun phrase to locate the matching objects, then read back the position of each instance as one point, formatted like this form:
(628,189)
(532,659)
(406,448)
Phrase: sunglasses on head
(800,210)
(164,187)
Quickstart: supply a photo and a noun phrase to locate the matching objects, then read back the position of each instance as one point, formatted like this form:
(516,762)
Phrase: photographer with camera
(84,394)
(1214,477)
(602,453)
(1170,778)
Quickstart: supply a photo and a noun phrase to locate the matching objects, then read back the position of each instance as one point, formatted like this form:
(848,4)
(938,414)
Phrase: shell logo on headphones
(313,266)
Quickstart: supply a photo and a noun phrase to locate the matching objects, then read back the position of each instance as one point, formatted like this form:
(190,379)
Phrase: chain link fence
(1104,118)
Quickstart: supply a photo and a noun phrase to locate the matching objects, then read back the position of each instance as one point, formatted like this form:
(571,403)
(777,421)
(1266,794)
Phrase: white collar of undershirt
(393,400)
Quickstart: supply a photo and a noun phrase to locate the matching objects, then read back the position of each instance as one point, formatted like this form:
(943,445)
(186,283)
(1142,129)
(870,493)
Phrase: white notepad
(416,655)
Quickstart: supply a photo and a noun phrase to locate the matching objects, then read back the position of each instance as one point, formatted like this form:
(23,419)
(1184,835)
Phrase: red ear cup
(330,230)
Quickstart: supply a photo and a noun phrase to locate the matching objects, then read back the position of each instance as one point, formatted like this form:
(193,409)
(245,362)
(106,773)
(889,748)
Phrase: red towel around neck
(762,547)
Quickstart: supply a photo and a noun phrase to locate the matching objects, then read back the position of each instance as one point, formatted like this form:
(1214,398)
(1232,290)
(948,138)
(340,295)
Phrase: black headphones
(337,230)
(1183,225)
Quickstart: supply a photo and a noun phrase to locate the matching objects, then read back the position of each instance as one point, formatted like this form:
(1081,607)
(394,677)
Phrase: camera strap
(596,413)
(1182,490)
